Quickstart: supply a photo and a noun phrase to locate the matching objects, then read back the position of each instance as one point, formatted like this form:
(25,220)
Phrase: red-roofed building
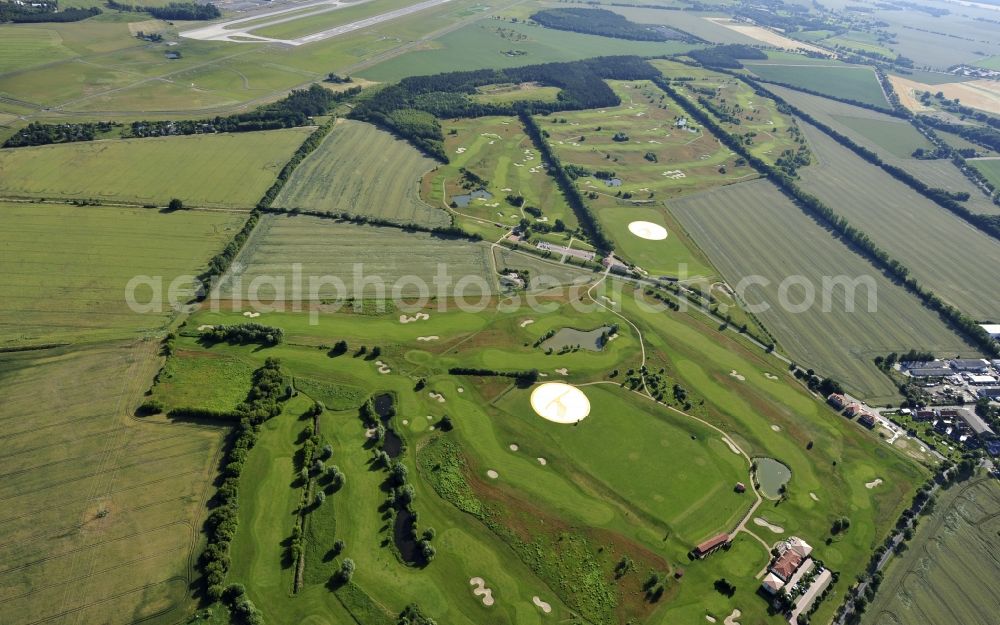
(710,545)
(837,400)
(785,565)
(867,419)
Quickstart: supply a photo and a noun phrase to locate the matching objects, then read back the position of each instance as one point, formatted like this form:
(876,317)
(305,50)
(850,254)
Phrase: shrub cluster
(244,334)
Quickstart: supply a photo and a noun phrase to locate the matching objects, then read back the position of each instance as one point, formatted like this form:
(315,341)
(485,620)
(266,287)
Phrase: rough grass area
(349,253)
(751,229)
(222,170)
(22,47)
(66,267)
(203,379)
(334,396)
(945,575)
(101,512)
(362,170)
(852,83)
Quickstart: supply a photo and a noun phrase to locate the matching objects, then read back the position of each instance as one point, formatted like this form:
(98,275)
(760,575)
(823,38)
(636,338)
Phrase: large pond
(384,406)
(464,199)
(592,340)
(771,476)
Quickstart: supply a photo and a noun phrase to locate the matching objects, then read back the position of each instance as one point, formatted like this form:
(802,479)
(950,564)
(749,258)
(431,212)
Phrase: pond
(385,408)
(464,200)
(593,340)
(771,476)
(403,535)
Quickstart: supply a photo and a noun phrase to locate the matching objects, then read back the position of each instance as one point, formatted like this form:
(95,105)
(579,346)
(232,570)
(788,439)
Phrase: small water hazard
(771,476)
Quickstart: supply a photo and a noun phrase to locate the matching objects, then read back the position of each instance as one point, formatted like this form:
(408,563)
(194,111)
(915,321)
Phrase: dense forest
(607,24)
(172,11)
(297,109)
(410,108)
(43,12)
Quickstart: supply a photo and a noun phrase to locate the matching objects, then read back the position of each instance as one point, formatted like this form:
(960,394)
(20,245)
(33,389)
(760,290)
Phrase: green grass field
(23,47)
(944,575)
(898,138)
(488,44)
(67,267)
(101,512)
(362,170)
(855,83)
(349,253)
(194,378)
(658,258)
(989,168)
(905,224)
(224,170)
(751,229)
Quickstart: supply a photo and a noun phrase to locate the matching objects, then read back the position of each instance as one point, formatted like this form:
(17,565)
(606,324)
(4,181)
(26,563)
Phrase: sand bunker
(527,322)
(560,403)
(203,328)
(417,317)
(382,367)
(438,396)
(542,461)
(709,618)
(731,619)
(813,497)
(777,529)
(770,376)
(460,151)
(513,447)
(648,230)
(545,607)
(563,371)
(873,483)
(776,428)
(732,446)
(252,315)
(492,474)
(735,374)
(481,590)
(461,390)
(428,338)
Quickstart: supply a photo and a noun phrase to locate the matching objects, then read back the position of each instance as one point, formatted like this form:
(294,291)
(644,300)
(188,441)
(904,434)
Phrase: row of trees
(588,221)
(220,526)
(728,55)
(856,238)
(37,133)
(529,376)
(451,232)
(244,334)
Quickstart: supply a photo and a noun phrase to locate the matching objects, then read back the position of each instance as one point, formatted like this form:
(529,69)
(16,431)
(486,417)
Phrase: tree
(346,571)
(175,205)
(724,587)
(320,498)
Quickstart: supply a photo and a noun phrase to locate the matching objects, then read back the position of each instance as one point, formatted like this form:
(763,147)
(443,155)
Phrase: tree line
(411,108)
(48,11)
(564,179)
(451,232)
(857,239)
(187,11)
(244,334)
(728,55)
(608,24)
(296,109)
(527,377)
